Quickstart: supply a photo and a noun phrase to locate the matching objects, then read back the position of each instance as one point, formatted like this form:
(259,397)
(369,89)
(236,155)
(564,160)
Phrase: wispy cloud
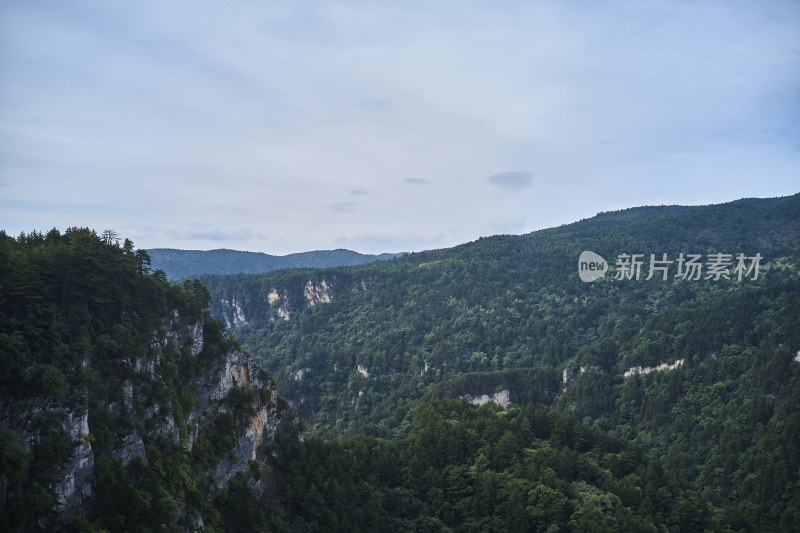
(415,181)
(358,192)
(517,180)
(343,207)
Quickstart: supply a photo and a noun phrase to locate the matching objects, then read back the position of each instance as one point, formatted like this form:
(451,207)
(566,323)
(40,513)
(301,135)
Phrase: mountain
(700,371)
(125,407)
(122,405)
(182,264)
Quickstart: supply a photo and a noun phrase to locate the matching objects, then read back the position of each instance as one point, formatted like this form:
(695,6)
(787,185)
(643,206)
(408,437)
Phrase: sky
(284,126)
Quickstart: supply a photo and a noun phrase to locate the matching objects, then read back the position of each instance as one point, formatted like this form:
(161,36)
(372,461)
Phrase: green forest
(88,332)
(635,404)
(469,468)
(509,313)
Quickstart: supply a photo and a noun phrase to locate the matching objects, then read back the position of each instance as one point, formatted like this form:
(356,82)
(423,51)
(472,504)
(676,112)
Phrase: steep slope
(353,345)
(122,405)
(710,388)
(125,408)
(181,264)
(357,349)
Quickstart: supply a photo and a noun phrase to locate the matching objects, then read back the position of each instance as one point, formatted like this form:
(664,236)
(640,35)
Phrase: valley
(485,387)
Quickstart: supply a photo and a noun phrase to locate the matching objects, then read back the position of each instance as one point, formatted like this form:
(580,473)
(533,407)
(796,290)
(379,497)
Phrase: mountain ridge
(520,265)
(181,264)
(358,349)
(620,404)
(125,407)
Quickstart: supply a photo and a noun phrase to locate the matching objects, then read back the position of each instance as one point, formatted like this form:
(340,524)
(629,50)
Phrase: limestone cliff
(132,414)
(248,303)
(124,406)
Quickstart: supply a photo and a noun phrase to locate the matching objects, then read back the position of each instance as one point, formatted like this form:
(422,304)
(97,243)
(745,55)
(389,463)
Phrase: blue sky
(386,126)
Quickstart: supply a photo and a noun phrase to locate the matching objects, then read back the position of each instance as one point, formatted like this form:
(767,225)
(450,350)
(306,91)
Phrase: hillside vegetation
(356,350)
(477,469)
(126,408)
(128,403)
(122,405)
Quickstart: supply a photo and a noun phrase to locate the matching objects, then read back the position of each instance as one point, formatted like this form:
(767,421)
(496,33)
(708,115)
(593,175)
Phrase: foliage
(375,357)
(467,468)
(500,304)
(510,313)
(78,314)
(72,297)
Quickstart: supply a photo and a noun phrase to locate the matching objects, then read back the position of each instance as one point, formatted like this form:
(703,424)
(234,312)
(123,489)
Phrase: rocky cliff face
(249,305)
(133,411)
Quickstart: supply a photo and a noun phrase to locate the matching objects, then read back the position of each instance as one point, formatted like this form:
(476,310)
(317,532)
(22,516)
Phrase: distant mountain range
(180,264)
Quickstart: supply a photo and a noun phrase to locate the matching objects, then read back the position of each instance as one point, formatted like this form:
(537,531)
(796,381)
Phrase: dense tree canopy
(510,313)
(637,405)
(78,314)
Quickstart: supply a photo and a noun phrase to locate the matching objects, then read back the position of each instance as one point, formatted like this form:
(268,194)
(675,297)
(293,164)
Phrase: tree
(110,237)
(142,262)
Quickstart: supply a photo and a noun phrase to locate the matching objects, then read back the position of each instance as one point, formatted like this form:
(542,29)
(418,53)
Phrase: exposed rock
(279,304)
(131,447)
(168,428)
(648,369)
(232,371)
(181,334)
(571,372)
(360,286)
(233,309)
(75,486)
(26,419)
(317,292)
(127,394)
(273,297)
(219,376)
(146,365)
(501,398)
(235,371)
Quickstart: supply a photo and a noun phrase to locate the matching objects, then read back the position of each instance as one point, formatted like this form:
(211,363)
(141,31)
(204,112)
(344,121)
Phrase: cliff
(148,417)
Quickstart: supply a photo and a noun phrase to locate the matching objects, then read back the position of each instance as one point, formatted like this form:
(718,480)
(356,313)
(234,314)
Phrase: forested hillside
(125,408)
(663,402)
(122,405)
(477,469)
(701,373)
(181,264)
